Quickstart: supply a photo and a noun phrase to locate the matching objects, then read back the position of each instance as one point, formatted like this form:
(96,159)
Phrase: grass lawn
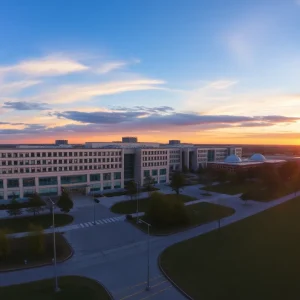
(21,249)
(230,188)
(256,258)
(21,224)
(72,287)
(129,207)
(198,214)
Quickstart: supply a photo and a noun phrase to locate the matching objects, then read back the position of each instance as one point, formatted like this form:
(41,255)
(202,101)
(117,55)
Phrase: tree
(36,238)
(149,184)
(35,203)
(131,188)
(185,169)
(65,202)
(177,182)
(4,244)
(14,207)
(288,170)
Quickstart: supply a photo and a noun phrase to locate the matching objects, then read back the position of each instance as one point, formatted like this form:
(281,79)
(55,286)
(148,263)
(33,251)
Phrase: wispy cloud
(12,87)
(111,66)
(22,105)
(45,66)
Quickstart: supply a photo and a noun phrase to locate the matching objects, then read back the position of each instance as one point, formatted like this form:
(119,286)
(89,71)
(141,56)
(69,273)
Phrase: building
(233,162)
(129,139)
(61,142)
(96,166)
(174,142)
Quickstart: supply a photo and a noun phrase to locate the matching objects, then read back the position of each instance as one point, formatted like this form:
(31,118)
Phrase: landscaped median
(21,224)
(130,206)
(33,250)
(197,214)
(71,287)
(255,258)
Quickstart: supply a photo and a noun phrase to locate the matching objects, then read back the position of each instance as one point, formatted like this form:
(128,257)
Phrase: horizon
(201,72)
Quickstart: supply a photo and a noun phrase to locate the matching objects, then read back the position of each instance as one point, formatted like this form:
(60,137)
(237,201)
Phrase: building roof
(257,157)
(232,159)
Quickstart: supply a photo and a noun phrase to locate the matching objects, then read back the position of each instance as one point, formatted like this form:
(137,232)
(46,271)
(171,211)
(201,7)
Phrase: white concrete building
(26,169)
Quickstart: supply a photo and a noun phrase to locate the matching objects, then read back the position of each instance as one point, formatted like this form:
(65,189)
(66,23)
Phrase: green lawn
(21,249)
(72,287)
(198,214)
(230,188)
(256,258)
(21,224)
(129,207)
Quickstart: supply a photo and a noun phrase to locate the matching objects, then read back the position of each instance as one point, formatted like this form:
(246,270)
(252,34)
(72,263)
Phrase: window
(117,184)
(29,181)
(106,176)
(95,177)
(73,179)
(47,180)
(48,191)
(11,183)
(29,192)
(162,171)
(13,194)
(117,175)
(154,172)
(1,184)
(146,173)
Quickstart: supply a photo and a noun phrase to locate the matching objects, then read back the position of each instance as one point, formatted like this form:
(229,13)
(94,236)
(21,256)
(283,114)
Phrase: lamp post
(56,289)
(137,202)
(148,256)
(95,201)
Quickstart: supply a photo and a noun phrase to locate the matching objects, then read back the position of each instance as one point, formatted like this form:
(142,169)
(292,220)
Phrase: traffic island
(71,287)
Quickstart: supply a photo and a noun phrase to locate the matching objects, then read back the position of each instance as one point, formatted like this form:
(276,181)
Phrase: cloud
(111,66)
(221,84)
(46,66)
(12,87)
(22,105)
(74,93)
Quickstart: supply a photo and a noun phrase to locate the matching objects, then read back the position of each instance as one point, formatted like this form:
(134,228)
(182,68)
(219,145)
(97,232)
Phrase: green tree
(65,202)
(4,244)
(36,238)
(35,203)
(177,182)
(14,207)
(149,184)
(288,171)
(131,189)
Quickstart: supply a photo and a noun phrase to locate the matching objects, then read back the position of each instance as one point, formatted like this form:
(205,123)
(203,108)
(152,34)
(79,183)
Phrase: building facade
(95,167)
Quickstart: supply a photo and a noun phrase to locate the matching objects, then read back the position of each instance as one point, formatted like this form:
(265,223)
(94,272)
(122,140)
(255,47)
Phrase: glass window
(117,185)
(1,195)
(162,171)
(95,177)
(154,172)
(29,181)
(13,194)
(48,191)
(29,192)
(11,183)
(1,184)
(73,179)
(106,176)
(117,175)
(48,180)
(146,173)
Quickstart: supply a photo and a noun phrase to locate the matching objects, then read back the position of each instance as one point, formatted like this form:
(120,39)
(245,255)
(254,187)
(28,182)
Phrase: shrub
(129,217)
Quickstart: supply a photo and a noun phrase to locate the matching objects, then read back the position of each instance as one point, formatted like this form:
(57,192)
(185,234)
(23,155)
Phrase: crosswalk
(90,224)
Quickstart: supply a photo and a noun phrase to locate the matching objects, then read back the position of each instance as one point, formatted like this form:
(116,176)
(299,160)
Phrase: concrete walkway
(123,269)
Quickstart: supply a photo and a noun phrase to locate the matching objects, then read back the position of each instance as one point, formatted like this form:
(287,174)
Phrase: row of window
(59,161)
(152,158)
(175,151)
(59,154)
(175,156)
(155,164)
(147,173)
(53,180)
(59,169)
(174,161)
(155,152)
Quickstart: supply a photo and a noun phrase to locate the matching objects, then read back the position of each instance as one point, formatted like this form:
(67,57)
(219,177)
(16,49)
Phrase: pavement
(116,253)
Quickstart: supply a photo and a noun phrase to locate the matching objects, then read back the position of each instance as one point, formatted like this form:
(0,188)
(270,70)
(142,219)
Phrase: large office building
(94,167)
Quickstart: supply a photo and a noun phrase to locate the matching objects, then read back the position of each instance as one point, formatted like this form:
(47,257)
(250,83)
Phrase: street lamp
(57,289)
(148,259)
(137,202)
(95,201)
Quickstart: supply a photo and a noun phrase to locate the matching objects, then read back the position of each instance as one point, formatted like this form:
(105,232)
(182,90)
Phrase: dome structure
(232,159)
(257,157)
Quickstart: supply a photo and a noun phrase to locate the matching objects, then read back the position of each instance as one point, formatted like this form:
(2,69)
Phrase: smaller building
(129,139)
(233,162)
(61,142)
(174,142)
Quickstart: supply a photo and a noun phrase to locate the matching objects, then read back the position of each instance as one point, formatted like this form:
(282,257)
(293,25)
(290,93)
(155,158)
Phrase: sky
(202,71)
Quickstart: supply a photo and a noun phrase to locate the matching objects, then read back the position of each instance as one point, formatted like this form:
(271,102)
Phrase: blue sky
(203,71)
